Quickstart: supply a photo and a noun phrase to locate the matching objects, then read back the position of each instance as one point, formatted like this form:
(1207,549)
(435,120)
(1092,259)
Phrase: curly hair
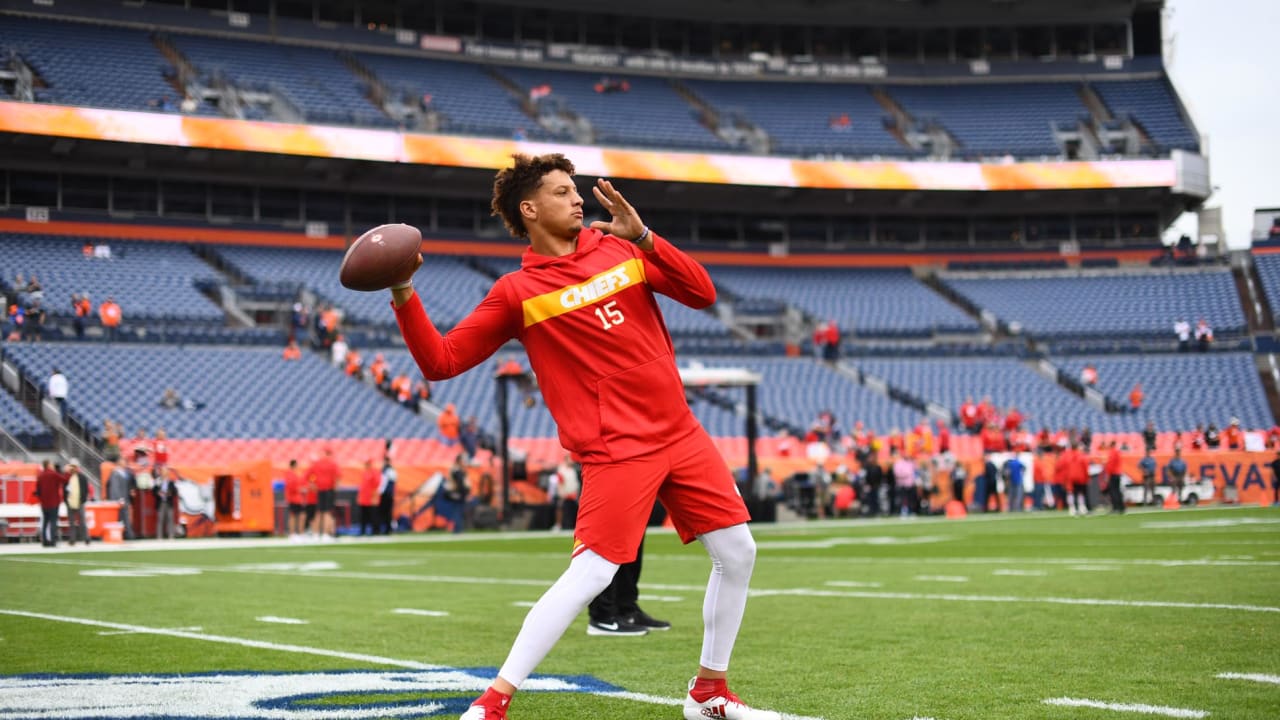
(515,184)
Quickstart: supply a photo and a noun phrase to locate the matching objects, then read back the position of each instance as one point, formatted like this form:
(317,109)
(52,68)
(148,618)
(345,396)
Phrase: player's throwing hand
(626,222)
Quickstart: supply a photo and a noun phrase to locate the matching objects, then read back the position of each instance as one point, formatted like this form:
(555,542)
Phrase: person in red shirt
(49,485)
(1013,420)
(583,305)
(1075,465)
(944,437)
(367,497)
(323,475)
(969,416)
(295,499)
(1112,470)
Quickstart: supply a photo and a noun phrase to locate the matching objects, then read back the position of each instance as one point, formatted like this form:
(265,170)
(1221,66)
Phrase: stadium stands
(649,114)
(126,71)
(1124,304)
(1152,105)
(451,289)
(798,116)
(795,390)
(314,80)
(1181,390)
(868,303)
(1027,114)
(19,422)
(468,97)
(150,281)
(244,392)
(1008,382)
(1268,267)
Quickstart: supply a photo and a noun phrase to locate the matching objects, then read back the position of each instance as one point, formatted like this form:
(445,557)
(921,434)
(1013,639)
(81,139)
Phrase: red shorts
(689,476)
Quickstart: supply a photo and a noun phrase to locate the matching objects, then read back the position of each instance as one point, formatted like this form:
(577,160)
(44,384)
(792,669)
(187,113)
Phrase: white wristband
(403,285)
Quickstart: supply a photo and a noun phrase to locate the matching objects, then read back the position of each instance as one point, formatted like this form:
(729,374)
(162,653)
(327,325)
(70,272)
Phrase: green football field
(1152,614)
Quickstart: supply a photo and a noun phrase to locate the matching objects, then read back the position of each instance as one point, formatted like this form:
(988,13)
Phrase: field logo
(336,695)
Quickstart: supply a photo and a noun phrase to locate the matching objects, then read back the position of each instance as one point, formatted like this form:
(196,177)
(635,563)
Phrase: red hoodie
(595,338)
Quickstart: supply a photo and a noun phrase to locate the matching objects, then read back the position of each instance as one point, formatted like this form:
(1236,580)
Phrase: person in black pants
(615,610)
(1275,477)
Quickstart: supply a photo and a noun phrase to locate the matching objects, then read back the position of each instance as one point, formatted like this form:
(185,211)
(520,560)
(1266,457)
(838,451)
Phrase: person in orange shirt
(1043,470)
(449,424)
(80,307)
(323,474)
(353,364)
(1076,478)
(1136,396)
(401,389)
(378,371)
(292,351)
(367,498)
(1233,436)
(111,316)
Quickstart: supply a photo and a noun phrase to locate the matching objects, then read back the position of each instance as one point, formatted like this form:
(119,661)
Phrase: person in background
(291,351)
(295,500)
(1014,470)
(110,315)
(57,388)
(367,498)
(1147,466)
(1275,478)
(49,484)
(1233,436)
(77,492)
(448,424)
(1136,397)
(323,475)
(1177,468)
(386,495)
(1111,469)
(166,495)
(1182,329)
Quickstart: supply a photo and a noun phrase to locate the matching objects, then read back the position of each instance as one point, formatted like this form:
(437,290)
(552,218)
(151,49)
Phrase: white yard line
(227,640)
(1254,677)
(1172,712)
(943,578)
(423,613)
(1011,572)
(282,620)
(755,592)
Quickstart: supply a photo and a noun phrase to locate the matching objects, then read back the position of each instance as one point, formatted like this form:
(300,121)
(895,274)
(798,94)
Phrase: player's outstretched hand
(626,222)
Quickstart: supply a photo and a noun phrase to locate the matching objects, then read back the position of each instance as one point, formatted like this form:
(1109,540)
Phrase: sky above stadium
(1221,55)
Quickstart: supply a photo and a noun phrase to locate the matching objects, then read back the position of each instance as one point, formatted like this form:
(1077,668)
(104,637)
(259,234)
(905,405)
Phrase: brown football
(381,257)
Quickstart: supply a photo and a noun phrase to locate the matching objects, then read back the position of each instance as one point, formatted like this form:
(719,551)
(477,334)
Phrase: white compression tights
(587,575)
(733,555)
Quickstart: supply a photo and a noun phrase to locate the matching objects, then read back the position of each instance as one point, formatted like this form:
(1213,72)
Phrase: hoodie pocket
(641,406)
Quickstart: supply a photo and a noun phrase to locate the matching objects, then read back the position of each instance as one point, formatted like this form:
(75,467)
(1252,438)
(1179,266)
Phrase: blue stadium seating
(988,120)
(152,281)
(449,288)
(470,99)
(795,390)
(797,116)
(314,80)
(1181,390)
(864,302)
(1152,105)
(248,392)
(650,114)
(1268,267)
(1008,382)
(19,422)
(89,65)
(1120,305)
